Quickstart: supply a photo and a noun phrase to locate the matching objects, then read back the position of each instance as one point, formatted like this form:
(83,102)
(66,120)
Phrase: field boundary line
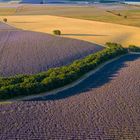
(55,91)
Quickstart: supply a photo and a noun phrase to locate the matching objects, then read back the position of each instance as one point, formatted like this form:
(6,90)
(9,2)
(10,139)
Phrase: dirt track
(26,52)
(103,107)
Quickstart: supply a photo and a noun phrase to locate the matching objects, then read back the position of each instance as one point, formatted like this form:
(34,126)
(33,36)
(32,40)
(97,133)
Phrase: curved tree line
(24,85)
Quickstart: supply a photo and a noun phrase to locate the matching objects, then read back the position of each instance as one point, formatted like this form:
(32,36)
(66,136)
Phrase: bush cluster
(23,85)
(5,19)
(57,32)
(133,48)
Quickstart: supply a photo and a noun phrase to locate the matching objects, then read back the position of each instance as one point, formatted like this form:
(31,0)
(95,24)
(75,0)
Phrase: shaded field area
(26,52)
(97,12)
(92,31)
(106,106)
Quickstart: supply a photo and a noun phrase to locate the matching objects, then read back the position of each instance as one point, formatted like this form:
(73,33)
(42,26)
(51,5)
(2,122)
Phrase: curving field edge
(52,83)
(84,77)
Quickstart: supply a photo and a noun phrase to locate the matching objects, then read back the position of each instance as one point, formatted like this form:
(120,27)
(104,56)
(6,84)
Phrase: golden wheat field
(92,31)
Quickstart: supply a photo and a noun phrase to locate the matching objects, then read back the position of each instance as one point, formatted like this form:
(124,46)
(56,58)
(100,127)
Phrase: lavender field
(96,98)
(103,107)
(26,52)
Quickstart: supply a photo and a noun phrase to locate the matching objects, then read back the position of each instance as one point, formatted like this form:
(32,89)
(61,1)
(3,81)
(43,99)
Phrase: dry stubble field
(96,12)
(103,107)
(92,31)
(26,52)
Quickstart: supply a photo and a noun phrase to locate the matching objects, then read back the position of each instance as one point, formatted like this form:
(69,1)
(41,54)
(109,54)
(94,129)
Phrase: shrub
(111,44)
(125,17)
(57,32)
(5,19)
(23,85)
(118,14)
(133,48)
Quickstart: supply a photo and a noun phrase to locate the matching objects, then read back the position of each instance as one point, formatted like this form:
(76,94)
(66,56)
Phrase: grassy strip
(24,85)
(133,48)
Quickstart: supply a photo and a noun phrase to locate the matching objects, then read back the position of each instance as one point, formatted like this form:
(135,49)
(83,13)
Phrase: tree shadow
(101,77)
(83,35)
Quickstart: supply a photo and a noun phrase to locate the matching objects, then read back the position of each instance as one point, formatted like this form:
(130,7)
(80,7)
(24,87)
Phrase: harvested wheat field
(92,31)
(103,107)
(114,13)
(26,52)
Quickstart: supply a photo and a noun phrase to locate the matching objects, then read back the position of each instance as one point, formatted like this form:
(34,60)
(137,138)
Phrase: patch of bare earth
(108,108)
(26,52)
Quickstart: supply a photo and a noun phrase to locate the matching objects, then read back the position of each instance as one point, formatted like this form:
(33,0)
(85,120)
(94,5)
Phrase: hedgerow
(133,48)
(56,32)
(23,85)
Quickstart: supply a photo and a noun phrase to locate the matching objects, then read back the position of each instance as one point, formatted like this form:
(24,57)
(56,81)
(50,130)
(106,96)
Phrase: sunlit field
(92,31)
(120,13)
(69,72)
(89,23)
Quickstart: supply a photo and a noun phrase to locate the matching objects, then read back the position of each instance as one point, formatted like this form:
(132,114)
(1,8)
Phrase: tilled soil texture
(26,52)
(106,106)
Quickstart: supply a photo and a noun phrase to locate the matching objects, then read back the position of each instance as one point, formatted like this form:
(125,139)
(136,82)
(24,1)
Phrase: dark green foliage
(23,85)
(133,48)
(57,32)
(118,14)
(125,17)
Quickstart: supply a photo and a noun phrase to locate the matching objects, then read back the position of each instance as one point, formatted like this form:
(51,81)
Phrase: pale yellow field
(92,31)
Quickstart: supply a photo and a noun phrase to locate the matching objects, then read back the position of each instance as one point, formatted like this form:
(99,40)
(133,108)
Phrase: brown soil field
(103,107)
(92,31)
(26,52)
